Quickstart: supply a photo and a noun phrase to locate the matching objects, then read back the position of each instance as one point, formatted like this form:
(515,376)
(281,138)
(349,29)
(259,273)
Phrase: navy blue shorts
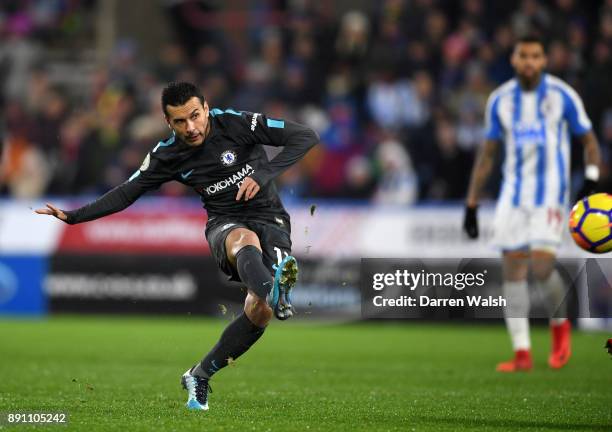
(275,240)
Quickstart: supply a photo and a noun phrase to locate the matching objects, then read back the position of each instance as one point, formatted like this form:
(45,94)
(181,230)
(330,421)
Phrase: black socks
(253,272)
(235,340)
(241,334)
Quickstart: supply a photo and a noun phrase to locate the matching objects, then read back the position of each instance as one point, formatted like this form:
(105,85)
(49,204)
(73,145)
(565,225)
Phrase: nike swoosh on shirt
(187,174)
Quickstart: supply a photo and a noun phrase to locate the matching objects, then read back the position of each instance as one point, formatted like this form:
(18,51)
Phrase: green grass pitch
(123,374)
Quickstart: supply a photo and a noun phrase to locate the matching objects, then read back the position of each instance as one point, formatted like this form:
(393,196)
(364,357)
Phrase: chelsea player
(219,153)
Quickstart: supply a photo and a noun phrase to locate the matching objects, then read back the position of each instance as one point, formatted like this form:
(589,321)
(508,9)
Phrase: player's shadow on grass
(514,424)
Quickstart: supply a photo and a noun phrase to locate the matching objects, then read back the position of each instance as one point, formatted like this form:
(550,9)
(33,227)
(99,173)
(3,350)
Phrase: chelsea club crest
(228,157)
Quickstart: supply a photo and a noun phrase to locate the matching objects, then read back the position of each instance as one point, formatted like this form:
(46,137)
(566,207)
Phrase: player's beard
(529,82)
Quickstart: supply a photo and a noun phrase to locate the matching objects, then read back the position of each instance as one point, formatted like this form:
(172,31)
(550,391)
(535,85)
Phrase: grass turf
(123,374)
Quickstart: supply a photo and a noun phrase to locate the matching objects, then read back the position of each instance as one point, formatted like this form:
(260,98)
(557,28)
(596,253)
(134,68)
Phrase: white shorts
(522,228)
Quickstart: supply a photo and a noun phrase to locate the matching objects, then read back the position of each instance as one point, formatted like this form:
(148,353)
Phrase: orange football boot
(561,344)
(520,363)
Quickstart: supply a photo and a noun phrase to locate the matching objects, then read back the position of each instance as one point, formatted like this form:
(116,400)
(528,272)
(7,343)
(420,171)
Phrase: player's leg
(511,237)
(551,284)
(237,251)
(248,251)
(275,241)
(244,253)
(546,229)
(516,313)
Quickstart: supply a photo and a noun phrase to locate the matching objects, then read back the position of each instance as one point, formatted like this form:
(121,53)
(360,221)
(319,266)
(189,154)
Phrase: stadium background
(395,88)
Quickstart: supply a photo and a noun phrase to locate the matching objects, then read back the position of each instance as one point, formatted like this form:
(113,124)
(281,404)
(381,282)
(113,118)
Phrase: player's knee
(257,310)
(516,266)
(240,238)
(543,264)
(541,272)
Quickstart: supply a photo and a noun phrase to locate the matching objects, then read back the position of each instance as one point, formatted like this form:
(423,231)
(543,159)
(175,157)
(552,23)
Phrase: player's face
(529,60)
(189,121)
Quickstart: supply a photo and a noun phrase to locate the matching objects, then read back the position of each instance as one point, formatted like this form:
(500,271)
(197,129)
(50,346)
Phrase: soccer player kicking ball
(219,154)
(532,115)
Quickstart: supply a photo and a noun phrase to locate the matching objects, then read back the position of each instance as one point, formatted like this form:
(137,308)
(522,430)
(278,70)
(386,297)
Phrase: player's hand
(52,211)
(588,188)
(470,222)
(248,189)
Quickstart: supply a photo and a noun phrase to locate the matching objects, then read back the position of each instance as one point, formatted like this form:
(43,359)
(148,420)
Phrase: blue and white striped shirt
(535,127)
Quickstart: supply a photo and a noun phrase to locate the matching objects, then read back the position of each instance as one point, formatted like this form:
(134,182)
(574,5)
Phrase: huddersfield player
(219,154)
(532,115)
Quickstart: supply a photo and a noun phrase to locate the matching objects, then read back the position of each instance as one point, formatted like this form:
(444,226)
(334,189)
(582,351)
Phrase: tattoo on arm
(481,171)
(592,154)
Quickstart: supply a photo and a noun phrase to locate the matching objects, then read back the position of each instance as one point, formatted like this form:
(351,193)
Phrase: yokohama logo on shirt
(235,179)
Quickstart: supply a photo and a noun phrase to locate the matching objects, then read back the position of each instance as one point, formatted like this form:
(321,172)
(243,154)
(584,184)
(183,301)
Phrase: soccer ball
(590,223)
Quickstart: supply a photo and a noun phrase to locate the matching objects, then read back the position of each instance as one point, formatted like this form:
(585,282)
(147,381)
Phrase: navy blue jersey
(215,169)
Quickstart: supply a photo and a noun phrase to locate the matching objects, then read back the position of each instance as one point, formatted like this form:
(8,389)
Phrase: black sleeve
(295,138)
(150,176)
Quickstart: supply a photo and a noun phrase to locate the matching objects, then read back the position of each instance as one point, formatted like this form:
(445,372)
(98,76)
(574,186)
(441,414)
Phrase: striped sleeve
(574,112)
(493,126)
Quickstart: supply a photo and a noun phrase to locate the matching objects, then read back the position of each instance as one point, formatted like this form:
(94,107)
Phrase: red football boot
(520,363)
(561,344)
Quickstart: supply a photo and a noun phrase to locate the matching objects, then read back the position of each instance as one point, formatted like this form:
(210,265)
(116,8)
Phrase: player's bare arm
(480,175)
(592,153)
(481,171)
(592,161)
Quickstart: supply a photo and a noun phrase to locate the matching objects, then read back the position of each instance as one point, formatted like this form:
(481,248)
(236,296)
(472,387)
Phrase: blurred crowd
(397,93)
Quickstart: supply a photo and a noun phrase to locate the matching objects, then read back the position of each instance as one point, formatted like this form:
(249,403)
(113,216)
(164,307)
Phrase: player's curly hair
(178,93)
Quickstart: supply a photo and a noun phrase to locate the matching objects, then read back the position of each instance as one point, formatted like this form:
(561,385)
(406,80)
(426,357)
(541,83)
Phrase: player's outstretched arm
(113,201)
(151,174)
(480,175)
(592,161)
